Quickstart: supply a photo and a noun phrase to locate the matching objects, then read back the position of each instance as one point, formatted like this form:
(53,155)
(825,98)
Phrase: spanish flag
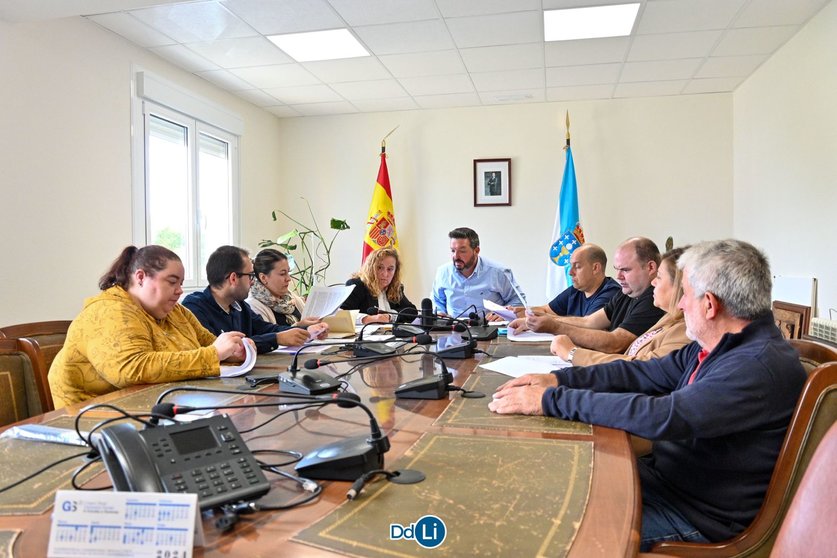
(380,226)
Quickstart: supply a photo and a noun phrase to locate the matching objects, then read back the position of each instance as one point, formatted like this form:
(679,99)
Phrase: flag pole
(568,131)
(384,141)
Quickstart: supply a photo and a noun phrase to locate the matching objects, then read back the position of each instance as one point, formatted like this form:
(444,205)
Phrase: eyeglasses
(251,275)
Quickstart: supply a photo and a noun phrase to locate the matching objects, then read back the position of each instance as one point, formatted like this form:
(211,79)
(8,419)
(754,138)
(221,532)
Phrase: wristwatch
(571,354)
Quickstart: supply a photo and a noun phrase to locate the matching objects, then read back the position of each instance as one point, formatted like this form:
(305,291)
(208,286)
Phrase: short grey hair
(736,272)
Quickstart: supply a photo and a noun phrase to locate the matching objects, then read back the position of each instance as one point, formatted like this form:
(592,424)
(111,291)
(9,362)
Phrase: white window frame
(153,95)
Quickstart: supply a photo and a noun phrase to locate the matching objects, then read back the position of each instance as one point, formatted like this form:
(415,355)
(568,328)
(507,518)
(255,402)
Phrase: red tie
(701,355)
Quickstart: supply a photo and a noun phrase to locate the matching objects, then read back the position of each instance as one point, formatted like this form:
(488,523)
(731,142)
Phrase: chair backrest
(808,528)
(812,353)
(815,412)
(22,381)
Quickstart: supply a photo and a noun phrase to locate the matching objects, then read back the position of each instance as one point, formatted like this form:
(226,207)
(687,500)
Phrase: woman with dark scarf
(270,295)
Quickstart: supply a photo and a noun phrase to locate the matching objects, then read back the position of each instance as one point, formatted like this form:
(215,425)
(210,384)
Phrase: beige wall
(786,157)
(654,167)
(66,166)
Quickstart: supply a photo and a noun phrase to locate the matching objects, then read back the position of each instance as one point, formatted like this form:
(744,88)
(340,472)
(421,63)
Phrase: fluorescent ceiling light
(589,23)
(319,45)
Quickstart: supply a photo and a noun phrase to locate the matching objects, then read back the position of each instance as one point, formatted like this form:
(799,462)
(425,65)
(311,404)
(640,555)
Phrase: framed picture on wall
(792,320)
(492,182)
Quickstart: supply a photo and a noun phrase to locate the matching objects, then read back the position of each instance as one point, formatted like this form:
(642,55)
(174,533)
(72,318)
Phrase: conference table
(488,462)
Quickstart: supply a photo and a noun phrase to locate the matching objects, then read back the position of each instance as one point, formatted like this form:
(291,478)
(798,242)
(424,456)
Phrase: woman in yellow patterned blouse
(135,332)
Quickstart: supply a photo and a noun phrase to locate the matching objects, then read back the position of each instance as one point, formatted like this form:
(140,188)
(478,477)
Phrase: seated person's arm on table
(615,341)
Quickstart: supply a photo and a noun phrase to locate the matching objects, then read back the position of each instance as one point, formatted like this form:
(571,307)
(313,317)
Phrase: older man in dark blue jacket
(717,410)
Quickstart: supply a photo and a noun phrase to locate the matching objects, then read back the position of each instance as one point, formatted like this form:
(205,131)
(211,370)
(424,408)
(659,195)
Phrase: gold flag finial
(568,129)
(384,141)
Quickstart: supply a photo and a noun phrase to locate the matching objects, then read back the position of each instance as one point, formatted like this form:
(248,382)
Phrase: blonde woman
(378,284)
(667,335)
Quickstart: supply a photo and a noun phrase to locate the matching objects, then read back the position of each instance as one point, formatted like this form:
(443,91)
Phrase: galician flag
(380,226)
(567,234)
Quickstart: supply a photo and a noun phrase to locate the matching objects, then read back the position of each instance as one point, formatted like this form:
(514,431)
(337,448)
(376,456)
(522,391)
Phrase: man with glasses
(221,307)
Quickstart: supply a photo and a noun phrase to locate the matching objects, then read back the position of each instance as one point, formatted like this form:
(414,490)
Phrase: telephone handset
(206,457)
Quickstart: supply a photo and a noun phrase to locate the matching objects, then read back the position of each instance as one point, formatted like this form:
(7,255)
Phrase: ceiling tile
(271,17)
(513,97)
(666,46)
(282,111)
(185,58)
(324,109)
(258,97)
(730,66)
(424,63)
(778,12)
(754,40)
(348,69)
(579,92)
(304,94)
(649,88)
(499,29)
(240,53)
(363,12)
(659,70)
(667,16)
(563,4)
(282,75)
(378,89)
(582,75)
(586,51)
(223,78)
(132,29)
(458,8)
(194,22)
(397,38)
(507,57)
(438,85)
(375,105)
(499,81)
(448,101)
(712,85)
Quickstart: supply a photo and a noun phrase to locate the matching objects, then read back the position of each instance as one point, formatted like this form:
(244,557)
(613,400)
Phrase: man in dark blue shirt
(717,410)
(221,307)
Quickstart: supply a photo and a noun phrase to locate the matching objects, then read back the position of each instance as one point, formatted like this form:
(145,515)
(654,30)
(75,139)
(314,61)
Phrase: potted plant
(309,253)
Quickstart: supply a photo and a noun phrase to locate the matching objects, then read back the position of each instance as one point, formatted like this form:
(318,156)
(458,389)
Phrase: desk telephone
(206,457)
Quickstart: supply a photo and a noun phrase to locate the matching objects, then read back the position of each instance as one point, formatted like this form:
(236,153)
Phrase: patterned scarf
(283,305)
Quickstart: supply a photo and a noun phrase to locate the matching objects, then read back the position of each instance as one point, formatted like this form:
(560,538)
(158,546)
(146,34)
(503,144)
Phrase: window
(185,191)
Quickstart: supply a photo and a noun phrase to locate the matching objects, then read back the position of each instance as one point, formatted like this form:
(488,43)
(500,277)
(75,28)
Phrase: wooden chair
(48,338)
(808,528)
(24,389)
(815,413)
(812,354)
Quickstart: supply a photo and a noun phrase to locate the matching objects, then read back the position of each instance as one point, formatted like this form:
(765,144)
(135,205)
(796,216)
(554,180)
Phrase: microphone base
(447,349)
(346,460)
(432,387)
(483,333)
(405,330)
(308,382)
(381,349)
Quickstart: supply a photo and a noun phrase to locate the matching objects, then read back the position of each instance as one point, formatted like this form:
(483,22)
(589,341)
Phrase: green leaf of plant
(285,238)
(339,224)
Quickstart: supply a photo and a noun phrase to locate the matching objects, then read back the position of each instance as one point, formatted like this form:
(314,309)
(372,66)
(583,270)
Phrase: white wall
(786,157)
(65,166)
(654,167)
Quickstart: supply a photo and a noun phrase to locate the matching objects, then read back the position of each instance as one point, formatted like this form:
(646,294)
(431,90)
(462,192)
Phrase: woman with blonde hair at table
(667,335)
(136,332)
(378,284)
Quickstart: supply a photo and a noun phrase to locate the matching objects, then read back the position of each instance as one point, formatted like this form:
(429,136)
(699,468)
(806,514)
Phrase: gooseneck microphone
(428,318)
(346,459)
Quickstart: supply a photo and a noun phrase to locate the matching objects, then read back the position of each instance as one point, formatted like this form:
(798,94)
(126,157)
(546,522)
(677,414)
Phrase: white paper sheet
(499,310)
(232,370)
(529,336)
(325,301)
(518,366)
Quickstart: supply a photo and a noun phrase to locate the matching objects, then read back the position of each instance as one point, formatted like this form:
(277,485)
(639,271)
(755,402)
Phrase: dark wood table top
(610,526)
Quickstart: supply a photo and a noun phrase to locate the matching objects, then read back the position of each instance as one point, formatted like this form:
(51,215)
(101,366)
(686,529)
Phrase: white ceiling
(444,53)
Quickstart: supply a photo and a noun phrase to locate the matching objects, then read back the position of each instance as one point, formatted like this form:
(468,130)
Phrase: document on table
(502,311)
(530,364)
(325,301)
(529,336)
(232,370)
